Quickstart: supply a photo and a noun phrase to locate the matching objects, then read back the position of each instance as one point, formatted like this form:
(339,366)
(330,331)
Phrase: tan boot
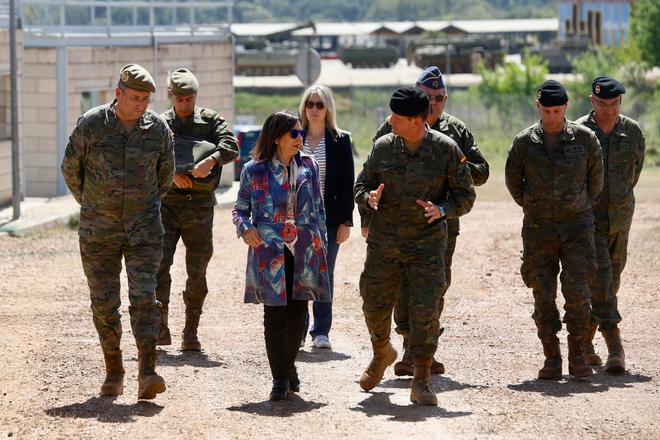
(405,366)
(437,367)
(384,356)
(577,365)
(189,340)
(552,366)
(149,383)
(164,336)
(616,359)
(420,388)
(590,356)
(114,374)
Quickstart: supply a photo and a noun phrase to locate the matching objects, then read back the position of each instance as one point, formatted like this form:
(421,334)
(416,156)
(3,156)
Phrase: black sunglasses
(295,133)
(318,104)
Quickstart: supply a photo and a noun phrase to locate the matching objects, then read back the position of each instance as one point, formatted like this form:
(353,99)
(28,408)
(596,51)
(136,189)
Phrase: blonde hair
(328,101)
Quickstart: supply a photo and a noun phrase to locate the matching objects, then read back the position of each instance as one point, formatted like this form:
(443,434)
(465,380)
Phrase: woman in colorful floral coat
(279,214)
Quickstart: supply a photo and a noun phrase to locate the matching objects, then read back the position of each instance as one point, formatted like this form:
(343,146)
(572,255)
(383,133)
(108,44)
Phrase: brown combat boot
(384,356)
(189,340)
(149,383)
(590,356)
(552,366)
(616,359)
(164,336)
(405,366)
(420,388)
(114,374)
(577,366)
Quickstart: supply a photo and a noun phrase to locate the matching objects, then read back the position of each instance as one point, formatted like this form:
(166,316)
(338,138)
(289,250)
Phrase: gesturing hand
(431,211)
(374,197)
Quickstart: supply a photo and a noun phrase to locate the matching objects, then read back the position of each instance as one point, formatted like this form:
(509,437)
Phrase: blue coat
(262,204)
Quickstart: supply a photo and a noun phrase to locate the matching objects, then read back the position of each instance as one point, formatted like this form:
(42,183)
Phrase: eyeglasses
(437,98)
(318,104)
(295,133)
(140,101)
(606,105)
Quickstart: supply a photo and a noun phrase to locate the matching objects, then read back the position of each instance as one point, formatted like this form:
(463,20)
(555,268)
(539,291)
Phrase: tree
(644,20)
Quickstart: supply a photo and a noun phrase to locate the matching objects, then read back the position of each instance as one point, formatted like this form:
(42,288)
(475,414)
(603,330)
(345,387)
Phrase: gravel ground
(51,364)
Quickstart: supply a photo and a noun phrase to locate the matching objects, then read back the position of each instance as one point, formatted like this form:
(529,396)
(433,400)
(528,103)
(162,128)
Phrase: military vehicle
(456,55)
(260,57)
(369,56)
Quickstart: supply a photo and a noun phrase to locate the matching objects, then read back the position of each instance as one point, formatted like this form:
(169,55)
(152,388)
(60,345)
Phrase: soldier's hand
(182,181)
(374,197)
(251,238)
(203,169)
(343,232)
(431,211)
(365,232)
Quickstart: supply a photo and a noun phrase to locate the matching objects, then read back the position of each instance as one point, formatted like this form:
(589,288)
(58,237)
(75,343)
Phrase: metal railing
(125,16)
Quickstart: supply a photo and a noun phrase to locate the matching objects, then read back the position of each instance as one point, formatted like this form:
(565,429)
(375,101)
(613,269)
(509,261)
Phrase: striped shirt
(319,155)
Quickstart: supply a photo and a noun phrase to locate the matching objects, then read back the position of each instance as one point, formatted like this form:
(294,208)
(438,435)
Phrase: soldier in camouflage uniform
(118,164)
(413,179)
(203,143)
(622,142)
(432,83)
(554,170)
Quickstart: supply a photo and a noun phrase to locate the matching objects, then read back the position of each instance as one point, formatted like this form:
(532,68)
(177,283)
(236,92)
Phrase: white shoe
(322,341)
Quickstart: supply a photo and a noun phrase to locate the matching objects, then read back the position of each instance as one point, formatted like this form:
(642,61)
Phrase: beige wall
(92,69)
(5,113)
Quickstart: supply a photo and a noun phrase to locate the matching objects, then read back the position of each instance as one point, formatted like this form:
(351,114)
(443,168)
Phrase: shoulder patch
(463,159)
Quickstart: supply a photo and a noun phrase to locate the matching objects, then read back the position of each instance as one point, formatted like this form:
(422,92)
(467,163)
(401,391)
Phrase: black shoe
(294,381)
(280,390)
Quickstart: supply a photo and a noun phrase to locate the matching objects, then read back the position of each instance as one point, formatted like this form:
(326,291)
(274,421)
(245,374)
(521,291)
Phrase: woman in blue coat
(332,149)
(279,213)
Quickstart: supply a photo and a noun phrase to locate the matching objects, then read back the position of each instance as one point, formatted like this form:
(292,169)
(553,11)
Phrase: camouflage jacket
(436,172)
(203,125)
(455,129)
(555,184)
(119,178)
(623,157)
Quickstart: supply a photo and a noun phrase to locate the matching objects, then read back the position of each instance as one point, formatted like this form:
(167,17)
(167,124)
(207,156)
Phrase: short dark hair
(275,126)
(424,114)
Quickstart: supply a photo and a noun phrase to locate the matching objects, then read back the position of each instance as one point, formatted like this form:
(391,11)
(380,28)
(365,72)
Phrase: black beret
(607,88)
(431,77)
(551,94)
(409,101)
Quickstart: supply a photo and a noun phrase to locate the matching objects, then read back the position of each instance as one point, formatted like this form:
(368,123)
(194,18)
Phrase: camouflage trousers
(101,261)
(194,225)
(612,253)
(401,312)
(546,244)
(421,267)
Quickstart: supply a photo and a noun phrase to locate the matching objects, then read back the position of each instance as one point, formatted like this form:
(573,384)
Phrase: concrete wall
(5,113)
(96,70)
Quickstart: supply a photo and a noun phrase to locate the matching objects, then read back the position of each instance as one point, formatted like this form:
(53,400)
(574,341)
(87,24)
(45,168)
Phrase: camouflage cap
(183,83)
(136,77)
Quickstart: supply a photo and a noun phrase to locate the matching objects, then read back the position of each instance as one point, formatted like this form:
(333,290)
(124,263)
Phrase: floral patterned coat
(262,204)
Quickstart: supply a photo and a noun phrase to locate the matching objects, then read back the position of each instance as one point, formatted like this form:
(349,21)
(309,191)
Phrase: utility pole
(15,148)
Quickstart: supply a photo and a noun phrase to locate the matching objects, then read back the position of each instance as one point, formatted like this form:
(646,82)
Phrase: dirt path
(51,363)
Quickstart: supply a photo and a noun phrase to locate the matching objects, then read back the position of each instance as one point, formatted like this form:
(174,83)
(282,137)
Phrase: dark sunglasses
(295,133)
(318,104)
(438,98)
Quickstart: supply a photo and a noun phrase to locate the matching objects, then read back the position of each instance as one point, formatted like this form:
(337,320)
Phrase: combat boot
(616,359)
(405,366)
(164,336)
(590,356)
(384,356)
(189,339)
(149,383)
(552,366)
(420,388)
(577,366)
(114,374)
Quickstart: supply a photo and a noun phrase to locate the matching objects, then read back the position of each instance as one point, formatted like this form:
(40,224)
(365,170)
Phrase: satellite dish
(308,65)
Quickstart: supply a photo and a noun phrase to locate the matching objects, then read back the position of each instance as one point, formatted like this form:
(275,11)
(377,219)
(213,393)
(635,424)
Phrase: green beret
(183,83)
(137,78)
